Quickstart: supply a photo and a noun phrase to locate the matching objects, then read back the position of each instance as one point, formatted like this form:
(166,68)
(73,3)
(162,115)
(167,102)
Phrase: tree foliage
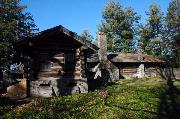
(15,24)
(87,35)
(172,21)
(151,34)
(119,26)
(158,36)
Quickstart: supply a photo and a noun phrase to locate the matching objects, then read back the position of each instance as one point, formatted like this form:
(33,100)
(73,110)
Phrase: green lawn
(126,99)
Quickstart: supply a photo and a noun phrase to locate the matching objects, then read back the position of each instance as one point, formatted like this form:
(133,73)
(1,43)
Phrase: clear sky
(77,15)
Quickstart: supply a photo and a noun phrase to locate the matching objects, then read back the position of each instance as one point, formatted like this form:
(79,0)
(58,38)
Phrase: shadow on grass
(168,105)
(7,104)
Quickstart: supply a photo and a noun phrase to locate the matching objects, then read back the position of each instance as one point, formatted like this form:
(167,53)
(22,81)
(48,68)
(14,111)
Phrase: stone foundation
(57,87)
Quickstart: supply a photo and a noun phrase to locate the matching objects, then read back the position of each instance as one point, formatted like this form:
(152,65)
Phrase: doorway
(69,62)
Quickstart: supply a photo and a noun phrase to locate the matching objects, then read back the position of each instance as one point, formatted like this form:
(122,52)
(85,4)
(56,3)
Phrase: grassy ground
(126,99)
(176,84)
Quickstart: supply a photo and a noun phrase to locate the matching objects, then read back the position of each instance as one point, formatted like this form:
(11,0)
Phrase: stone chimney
(141,68)
(109,72)
(102,44)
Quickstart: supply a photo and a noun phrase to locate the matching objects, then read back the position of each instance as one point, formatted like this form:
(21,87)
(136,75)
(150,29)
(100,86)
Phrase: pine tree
(87,35)
(119,26)
(14,25)
(172,21)
(151,34)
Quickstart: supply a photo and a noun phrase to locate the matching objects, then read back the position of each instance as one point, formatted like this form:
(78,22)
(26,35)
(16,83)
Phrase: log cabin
(55,62)
(59,62)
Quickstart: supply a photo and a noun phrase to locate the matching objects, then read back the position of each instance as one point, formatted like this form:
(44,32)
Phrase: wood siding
(152,71)
(128,72)
(57,69)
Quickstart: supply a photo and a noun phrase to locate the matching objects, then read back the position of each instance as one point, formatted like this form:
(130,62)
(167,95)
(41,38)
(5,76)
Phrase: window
(45,66)
(45,63)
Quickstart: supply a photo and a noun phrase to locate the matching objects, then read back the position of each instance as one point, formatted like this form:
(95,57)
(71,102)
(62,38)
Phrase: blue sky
(77,15)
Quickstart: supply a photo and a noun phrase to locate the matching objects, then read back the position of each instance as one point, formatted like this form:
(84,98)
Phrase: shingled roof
(126,57)
(130,57)
(65,31)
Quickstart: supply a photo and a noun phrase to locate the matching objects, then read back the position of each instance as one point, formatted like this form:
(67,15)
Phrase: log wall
(152,71)
(128,72)
(61,80)
(131,70)
(56,69)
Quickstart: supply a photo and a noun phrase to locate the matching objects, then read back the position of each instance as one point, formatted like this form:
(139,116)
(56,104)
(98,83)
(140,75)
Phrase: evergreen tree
(119,26)
(145,37)
(87,35)
(172,21)
(151,34)
(14,25)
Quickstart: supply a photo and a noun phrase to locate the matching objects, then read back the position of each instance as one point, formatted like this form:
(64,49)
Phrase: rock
(41,89)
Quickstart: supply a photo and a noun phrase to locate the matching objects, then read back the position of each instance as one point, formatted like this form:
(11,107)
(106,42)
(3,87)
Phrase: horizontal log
(128,67)
(77,69)
(54,69)
(59,58)
(59,55)
(128,70)
(57,64)
(49,74)
(128,73)
(74,78)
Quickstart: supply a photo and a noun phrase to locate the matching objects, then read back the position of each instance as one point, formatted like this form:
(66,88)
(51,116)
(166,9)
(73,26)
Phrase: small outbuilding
(136,65)
(131,65)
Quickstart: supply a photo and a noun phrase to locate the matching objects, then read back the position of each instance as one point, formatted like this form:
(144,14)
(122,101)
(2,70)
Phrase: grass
(126,99)
(4,106)
(176,83)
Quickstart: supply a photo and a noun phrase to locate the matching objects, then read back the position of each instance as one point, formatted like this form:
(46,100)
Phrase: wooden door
(69,62)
